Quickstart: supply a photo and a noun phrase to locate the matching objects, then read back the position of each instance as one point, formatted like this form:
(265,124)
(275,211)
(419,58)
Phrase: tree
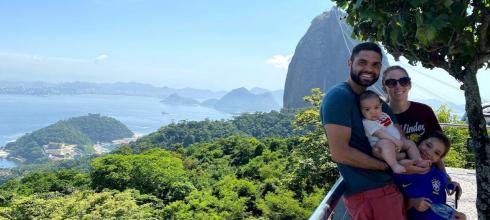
(448,34)
(312,149)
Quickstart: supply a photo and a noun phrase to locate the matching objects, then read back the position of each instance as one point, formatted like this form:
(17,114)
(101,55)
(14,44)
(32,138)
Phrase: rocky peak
(320,58)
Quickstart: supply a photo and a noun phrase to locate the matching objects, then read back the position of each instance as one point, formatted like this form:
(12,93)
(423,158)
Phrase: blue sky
(213,44)
(204,44)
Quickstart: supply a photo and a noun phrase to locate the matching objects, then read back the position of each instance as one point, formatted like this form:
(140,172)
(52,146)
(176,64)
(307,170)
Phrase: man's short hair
(365,46)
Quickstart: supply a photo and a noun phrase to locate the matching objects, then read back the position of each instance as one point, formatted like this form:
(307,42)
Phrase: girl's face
(432,149)
(398,91)
(371,108)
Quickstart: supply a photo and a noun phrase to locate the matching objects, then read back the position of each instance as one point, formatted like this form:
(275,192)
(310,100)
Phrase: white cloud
(101,57)
(280,61)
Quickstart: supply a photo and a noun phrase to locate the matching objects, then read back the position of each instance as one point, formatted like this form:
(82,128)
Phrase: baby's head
(370,104)
(434,147)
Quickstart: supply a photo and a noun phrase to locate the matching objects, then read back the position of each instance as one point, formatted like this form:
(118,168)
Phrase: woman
(416,120)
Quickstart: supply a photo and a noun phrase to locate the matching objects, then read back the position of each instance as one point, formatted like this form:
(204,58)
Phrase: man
(370,192)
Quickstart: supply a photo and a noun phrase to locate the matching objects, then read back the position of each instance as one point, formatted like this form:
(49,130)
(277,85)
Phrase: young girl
(382,133)
(425,192)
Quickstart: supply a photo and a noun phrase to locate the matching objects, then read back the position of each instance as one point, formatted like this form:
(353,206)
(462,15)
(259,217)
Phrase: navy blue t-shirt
(340,106)
(430,185)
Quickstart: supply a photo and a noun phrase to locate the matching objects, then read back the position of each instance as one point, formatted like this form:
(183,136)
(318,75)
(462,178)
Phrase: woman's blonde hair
(385,97)
(391,68)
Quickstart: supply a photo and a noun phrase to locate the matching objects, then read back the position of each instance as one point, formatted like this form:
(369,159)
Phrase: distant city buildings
(60,151)
(63,151)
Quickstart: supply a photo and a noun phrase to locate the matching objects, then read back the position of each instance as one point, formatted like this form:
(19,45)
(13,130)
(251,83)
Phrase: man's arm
(341,152)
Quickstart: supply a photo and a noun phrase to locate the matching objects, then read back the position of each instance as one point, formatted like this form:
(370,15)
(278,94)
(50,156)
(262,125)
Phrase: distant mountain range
(241,100)
(118,88)
(236,101)
(436,104)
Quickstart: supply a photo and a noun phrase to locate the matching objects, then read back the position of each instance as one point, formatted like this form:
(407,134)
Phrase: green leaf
(440,21)
(416,3)
(448,3)
(358,4)
(395,36)
(425,34)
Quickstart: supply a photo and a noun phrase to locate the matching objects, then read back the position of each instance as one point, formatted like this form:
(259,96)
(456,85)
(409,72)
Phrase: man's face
(365,68)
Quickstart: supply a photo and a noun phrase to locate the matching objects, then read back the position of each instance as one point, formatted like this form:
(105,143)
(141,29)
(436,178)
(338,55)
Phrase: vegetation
(459,155)
(224,172)
(185,133)
(82,131)
(451,35)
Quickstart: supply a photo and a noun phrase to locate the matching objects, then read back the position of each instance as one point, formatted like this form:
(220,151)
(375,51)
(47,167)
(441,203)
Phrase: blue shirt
(340,106)
(430,185)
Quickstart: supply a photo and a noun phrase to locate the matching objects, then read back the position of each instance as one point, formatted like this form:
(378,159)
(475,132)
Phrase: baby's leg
(414,153)
(388,153)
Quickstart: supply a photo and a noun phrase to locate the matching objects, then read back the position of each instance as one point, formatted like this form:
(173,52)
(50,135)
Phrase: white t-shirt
(385,123)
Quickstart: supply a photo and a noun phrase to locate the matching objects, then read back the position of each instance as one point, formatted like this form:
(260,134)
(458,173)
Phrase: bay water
(21,114)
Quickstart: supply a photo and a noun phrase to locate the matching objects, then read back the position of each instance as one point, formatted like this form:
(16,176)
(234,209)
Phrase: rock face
(320,58)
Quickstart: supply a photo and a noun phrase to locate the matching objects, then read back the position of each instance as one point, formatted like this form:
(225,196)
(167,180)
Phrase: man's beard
(365,83)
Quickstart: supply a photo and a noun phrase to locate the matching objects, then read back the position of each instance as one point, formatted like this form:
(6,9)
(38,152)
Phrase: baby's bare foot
(397,168)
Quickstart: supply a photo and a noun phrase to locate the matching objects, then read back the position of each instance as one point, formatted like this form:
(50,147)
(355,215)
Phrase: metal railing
(328,206)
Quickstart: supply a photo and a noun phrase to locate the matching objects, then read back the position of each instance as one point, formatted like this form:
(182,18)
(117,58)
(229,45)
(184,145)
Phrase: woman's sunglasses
(404,81)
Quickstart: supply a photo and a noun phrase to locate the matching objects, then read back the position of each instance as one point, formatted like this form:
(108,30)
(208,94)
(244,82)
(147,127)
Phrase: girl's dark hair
(439,135)
(367,95)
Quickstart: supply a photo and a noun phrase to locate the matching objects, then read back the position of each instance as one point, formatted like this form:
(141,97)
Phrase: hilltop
(75,134)
(241,100)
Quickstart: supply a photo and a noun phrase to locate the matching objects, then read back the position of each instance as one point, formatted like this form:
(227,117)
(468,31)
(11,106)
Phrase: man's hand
(420,204)
(412,168)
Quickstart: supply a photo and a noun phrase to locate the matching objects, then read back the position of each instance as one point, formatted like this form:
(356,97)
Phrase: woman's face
(397,92)
(432,149)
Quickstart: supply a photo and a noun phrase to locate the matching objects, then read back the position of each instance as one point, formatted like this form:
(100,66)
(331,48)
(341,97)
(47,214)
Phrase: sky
(213,44)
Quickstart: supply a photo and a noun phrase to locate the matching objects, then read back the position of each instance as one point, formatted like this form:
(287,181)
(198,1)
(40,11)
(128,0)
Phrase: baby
(382,133)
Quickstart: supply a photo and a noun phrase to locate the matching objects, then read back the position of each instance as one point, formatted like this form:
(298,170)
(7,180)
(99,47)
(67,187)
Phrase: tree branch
(482,38)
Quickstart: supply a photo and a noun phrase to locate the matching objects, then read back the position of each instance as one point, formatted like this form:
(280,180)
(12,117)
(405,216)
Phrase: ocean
(21,114)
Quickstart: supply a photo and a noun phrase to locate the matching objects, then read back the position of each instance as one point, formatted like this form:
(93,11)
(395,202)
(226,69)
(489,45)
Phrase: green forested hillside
(100,128)
(257,166)
(84,130)
(259,125)
(222,171)
(230,178)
